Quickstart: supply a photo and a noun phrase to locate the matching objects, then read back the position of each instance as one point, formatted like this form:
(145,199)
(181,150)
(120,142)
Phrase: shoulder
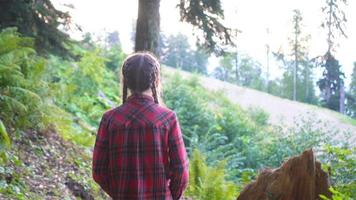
(165,115)
(113,113)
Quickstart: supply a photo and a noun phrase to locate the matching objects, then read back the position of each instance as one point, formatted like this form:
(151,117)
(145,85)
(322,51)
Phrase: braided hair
(140,72)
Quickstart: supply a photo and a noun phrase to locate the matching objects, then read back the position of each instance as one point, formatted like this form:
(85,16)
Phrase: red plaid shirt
(139,152)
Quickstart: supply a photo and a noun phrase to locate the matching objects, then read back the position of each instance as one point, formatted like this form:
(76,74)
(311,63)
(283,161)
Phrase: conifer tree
(204,15)
(38,19)
(331,83)
(351,100)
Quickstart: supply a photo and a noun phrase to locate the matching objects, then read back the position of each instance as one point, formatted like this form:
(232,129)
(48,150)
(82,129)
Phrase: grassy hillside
(281,111)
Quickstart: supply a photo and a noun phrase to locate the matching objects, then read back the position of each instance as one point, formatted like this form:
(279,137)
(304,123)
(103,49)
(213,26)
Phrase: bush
(22,89)
(214,125)
(340,163)
(208,183)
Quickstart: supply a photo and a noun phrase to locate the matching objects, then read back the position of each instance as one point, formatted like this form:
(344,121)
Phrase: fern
(5,142)
(4,137)
(21,86)
(208,183)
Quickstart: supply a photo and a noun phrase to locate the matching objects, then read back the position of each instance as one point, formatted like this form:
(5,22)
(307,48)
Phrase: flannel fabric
(139,152)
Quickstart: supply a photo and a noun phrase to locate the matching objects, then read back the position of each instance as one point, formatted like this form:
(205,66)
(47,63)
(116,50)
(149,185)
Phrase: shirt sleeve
(101,156)
(179,169)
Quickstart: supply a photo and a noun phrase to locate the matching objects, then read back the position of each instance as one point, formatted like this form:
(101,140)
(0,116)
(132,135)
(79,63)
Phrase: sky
(251,17)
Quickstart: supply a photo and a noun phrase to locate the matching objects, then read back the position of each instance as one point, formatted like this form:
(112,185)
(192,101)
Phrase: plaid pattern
(139,152)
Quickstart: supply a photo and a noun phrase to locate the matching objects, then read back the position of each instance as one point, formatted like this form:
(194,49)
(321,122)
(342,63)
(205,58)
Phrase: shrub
(208,183)
(22,89)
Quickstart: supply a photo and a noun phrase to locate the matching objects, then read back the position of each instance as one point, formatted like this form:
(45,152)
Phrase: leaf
(13,103)
(25,92)
(5,141)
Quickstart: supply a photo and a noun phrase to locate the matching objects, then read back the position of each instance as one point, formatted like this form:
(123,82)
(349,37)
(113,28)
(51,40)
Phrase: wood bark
(147,27)
(299,178)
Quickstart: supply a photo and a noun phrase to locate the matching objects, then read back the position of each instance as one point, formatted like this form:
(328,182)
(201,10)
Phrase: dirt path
(281,111)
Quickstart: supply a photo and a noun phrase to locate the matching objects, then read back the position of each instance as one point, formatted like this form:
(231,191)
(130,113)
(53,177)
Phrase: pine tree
(297,81)
(297,18)
(351,100)
(177,52)
(205,15)
(38,19)
(331,84)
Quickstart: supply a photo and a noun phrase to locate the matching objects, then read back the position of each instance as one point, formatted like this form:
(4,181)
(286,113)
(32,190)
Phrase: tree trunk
(306,79)
(295,62)
(299,178)
(342,99)
(267,75)
(147,27)
(237,68)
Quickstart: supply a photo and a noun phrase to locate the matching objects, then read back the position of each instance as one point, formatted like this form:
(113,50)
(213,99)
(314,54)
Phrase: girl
(139,151)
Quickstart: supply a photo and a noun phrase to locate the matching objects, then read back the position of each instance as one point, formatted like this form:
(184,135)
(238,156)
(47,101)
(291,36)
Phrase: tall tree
(297,81)
(331,84)
(297,18)
(205,15)
(249,71)
(177,52)
(147,26)
(225,70)
(38,19)
(351,100)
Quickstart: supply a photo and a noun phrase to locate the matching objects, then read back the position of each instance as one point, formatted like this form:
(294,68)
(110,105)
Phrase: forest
(54,90)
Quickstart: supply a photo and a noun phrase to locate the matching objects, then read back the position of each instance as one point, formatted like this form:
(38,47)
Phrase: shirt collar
(140,97)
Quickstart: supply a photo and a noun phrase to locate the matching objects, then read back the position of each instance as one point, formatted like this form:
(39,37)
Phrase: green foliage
(85,88)
(208,183)
(22,89)
(241,70)
(351,98)
(336,195)
(250,73)
(207,16)
(38,19)
(114,58)
(297,81)
(340,162)
(183,98)
(226,69)
(331,83)
(178,53)
(258,115)
(70,96)
(5,143)
(29,89)
(287,142)
(11,183)
(214,126)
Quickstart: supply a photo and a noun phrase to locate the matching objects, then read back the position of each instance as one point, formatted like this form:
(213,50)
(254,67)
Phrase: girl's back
(139,151)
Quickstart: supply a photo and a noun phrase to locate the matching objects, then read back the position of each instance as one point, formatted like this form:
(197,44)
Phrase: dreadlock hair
(140,72)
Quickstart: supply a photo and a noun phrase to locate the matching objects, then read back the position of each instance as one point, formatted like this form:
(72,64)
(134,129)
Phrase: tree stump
(299,178)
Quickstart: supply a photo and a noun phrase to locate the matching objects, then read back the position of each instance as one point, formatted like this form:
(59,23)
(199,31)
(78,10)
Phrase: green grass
(348,120)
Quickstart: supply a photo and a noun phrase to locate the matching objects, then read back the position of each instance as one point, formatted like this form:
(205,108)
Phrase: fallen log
(299,178)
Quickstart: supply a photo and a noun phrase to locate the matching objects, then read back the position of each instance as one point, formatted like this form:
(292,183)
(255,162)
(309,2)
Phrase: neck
(146,92)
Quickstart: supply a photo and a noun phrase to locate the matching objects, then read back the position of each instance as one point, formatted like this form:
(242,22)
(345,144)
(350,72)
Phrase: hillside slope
(281,111)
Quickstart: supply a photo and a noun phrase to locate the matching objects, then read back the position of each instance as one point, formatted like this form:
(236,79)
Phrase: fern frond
(25,92)
(5,141)
(12,103)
